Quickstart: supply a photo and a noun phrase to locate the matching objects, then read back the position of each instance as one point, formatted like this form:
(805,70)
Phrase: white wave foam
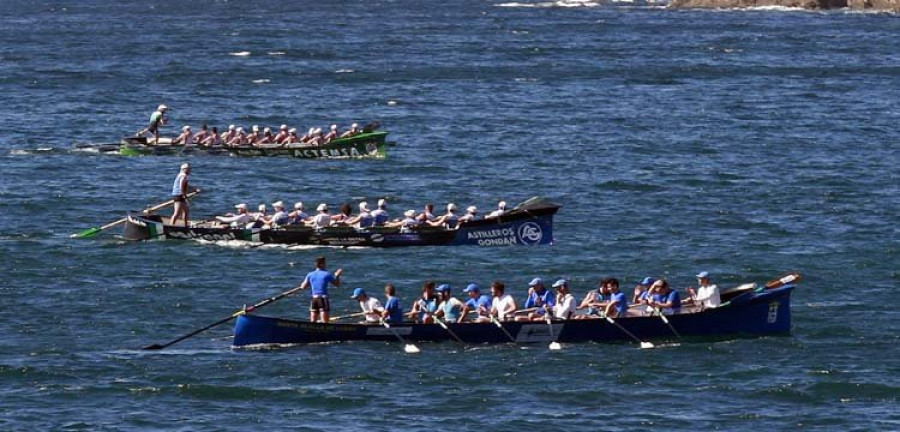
(240,53)
(558,3)
(344,71)
(261,81)
(276,53)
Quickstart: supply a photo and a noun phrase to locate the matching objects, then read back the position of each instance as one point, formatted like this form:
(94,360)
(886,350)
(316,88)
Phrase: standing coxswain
(157,119)
(317,281)
(179,194)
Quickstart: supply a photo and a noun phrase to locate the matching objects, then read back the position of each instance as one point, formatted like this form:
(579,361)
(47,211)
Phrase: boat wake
(553,4)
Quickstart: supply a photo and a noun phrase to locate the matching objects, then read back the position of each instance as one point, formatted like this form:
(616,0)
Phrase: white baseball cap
(162,107)
(278,204)
(241,206)
(471,209)
(381,202)
(364,206)
(451,207)
(255,128)
(299,205)
(185,165)
(334,127)
(186,128)
(293,130)
(230,127)
(502,205)
(322,207)
(283,127)
(267,130)
(262,207)
(409,213)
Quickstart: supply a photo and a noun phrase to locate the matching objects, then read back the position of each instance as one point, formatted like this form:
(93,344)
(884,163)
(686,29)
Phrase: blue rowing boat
(751,312)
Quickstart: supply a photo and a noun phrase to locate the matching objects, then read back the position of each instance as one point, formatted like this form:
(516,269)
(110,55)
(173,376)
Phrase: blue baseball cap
(442,288)
(559,283)
(648,281)
(471,288)
(358,292)
(703,274)
(535,282)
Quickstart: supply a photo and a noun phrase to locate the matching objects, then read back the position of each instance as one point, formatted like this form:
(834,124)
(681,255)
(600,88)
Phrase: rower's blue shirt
(538,300)
(299,218)
(394,310)
(481,301)
(427,307)
(622,305)
(381,216)
(318,281)
(675,299)
(176,187)
(366,220)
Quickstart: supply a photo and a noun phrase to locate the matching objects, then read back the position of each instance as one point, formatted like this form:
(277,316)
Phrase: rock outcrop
(887,5)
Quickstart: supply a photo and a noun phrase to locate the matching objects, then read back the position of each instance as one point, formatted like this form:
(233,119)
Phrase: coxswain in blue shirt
(317,281)
(477,303)
(539,298)
(424,307)
(393,312)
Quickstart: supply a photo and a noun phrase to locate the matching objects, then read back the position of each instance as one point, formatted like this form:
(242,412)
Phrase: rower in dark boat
(425,306)
(450,308)
(266,137)
(229,135)
(478,303)
(539,298)
(239,220)
(371,307)
(317,281)
(665,298)
(707,295)
(564,308)
(471,215)
(503,306)
(380,214)
(393,312)
(501,209)
(331,135)
(282,135)
(354,130)
(642,290)
(408,223)
(254,136)
(428,214)
(364,219)
(449,220)
(618,301)
(322,219)
(200,136)
(280,217)
(213,139)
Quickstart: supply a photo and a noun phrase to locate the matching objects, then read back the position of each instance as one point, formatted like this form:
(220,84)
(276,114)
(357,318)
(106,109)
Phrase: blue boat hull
(753,313)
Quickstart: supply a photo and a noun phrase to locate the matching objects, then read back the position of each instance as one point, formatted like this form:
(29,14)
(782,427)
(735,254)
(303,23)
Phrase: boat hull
(529,224)
(759,313)
(365,145)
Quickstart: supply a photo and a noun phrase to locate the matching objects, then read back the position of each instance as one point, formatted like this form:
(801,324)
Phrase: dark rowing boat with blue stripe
(753,312)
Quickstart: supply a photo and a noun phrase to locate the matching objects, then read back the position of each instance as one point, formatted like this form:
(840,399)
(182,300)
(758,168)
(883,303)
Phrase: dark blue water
(745,143)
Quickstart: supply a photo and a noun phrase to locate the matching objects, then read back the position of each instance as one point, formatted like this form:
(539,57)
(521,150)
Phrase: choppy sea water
(744,143)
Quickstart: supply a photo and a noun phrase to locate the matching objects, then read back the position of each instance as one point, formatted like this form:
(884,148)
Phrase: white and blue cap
(443,288)
(703,275)
(535,282)
(471,288)
(357,293)
(648,281)
(560,283)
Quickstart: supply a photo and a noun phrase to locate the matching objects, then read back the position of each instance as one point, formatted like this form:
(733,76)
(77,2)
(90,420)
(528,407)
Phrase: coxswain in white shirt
(501,209)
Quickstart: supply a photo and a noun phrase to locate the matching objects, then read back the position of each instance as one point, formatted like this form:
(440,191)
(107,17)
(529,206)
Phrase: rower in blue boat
(707,294)
(317,281)
(539,298)
(565,302)
(425,306)
(664,298)
(393,312)
(478,303)
(371,307)
(642,290)
(450,308)
(596,299)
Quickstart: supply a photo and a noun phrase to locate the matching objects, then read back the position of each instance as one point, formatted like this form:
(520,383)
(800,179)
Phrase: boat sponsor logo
(539,333)
(189,235)
(377,238)
(327,153)
(371,148)
(530,233)
(345,241)
(773,313)
(381,331)
(493,237)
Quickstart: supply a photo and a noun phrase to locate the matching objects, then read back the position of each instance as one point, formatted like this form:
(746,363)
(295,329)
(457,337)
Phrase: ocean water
(745,143)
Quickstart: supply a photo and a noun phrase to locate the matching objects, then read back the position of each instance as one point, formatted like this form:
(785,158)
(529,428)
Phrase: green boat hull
(365,145)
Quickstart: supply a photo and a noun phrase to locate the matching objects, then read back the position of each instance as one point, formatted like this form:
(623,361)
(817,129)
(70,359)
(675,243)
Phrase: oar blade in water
(646,345)
(86,233)
(411,349)
(555,346)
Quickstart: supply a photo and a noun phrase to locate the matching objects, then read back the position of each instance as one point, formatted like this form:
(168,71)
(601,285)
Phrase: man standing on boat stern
(179,194)
(157,119)
(318,281)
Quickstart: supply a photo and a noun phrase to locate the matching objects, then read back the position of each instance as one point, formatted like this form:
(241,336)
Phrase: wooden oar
(407,347)
(790,278)
(441,322)
(642,343)
(226,319)
(498,324)
(666,320)
(94,231)
(346,316)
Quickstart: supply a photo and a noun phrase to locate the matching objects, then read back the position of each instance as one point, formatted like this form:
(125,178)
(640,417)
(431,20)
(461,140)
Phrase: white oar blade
(555,346)
(411,349)
(646,345)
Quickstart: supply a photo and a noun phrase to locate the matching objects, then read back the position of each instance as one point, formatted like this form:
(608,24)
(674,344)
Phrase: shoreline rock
(880,5)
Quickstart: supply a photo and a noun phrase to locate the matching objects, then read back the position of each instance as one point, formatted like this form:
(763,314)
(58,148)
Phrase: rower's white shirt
(238,220)
(496,213)
(504,306)
(409,223)
(322,220)
(373,308)
(709,296)
(566,308)
(468,217)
